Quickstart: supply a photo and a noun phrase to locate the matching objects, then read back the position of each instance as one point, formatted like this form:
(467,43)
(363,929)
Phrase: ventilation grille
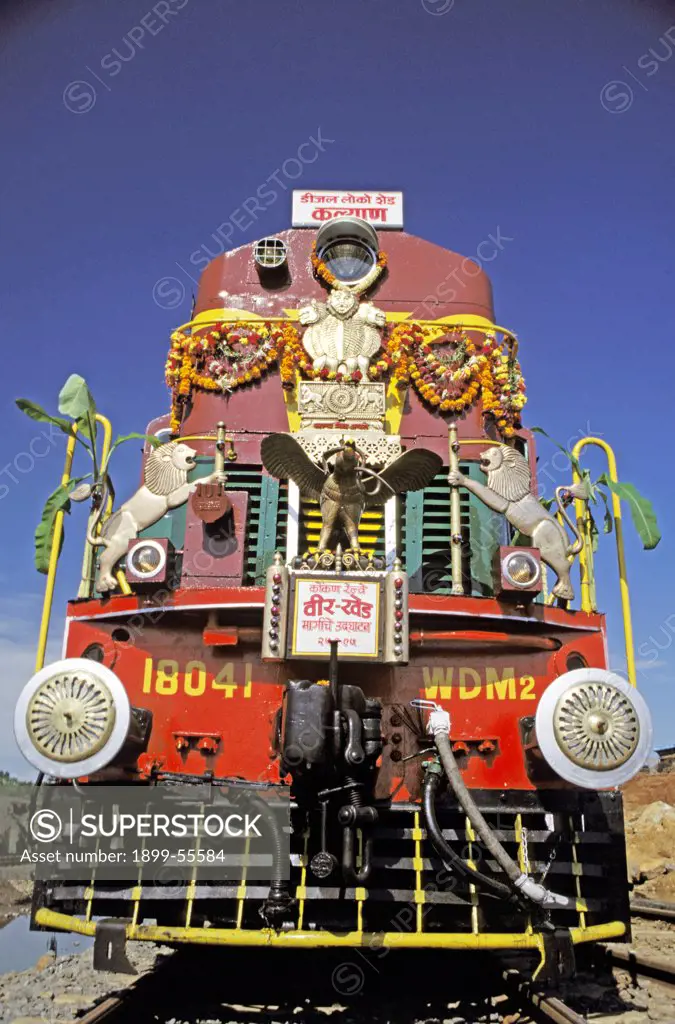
(424,530)
(426,537)
(249,479)
(371,529)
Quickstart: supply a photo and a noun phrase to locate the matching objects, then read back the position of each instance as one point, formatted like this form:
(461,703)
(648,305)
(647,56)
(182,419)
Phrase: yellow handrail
(57,536)
(586,554)
(268,938)
(470,322)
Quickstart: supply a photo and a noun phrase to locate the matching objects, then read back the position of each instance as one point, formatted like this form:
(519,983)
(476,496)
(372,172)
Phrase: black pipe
(445,851)
(357,876)
(279,901)
(333,673)
(355,813)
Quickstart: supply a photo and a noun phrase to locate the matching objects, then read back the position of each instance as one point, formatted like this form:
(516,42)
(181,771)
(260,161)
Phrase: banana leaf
(641,510)
(58,501)
(150,438)
(574,462)
(608,521)
(76,401)
(36,412)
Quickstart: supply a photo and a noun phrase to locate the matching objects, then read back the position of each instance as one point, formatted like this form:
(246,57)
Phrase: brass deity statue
(339,486)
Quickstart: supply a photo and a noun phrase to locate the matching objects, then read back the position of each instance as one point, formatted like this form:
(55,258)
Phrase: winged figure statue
(339,485)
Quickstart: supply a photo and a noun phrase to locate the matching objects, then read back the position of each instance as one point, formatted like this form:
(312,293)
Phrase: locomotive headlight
(348,246)
(72,718)
(146,559)
(521,569)
(593,728)
(517,573)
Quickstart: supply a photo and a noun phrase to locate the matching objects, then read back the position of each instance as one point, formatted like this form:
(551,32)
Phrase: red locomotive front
(337,581)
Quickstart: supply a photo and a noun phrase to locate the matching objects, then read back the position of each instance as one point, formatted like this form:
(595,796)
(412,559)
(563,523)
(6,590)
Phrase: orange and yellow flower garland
(475,370)
(196,361)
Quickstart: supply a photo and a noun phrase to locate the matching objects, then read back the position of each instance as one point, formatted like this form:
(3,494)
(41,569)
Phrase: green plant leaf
(574,462)
(586,478)
(641,510)
(608,520)
(75,398)
(592,529)
(58,500)
(36,412)
(152,439)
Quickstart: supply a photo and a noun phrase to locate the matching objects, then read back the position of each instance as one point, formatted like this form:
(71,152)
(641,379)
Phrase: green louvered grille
(424,529)
(371,529)
(426,538)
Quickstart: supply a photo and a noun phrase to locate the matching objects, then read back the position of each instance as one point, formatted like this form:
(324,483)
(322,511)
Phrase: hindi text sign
(343,609)
(381,209)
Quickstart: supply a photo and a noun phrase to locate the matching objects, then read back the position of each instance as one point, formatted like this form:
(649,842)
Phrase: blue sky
(130,134)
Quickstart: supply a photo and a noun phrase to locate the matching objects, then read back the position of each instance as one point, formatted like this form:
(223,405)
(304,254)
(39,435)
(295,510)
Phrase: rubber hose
(279,887)
(445,851)
(520,881)
(473,813)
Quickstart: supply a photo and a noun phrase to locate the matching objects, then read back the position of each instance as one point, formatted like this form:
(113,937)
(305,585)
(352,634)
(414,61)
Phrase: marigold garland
(358,287)
(475,369)
(209,362)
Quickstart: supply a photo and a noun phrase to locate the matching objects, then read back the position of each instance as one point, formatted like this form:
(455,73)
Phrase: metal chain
(524,848)
(552,856)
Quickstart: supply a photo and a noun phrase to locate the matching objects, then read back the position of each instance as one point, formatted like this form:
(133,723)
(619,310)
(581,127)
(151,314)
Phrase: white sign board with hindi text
(381,209)
(325,609)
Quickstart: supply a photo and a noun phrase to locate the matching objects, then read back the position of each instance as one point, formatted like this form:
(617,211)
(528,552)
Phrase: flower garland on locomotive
(230,356)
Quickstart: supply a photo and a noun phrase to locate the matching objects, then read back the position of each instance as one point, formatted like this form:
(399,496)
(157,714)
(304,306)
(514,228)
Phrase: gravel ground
(612,998)
(274,988)
(14,899)
(58,989)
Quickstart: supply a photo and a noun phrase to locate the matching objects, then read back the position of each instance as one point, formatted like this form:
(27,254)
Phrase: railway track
(135,1002)
(154,997)
(640,966)
(652,908)
(541,1005)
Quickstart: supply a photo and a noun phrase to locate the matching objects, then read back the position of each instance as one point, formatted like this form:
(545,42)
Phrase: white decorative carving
(321,399)
(379,448)
(342,334)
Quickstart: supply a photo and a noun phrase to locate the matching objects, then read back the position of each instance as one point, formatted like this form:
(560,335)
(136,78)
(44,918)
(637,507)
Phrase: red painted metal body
(487,661)
(489,682)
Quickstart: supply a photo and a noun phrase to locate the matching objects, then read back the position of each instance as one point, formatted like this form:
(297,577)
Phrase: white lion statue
(509,492)
(165,486)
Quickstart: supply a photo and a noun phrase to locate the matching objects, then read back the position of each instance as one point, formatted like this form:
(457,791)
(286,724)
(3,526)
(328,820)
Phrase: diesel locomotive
(336,581)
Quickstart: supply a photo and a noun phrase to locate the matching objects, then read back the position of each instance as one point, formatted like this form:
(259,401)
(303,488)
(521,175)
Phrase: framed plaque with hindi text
(343,608)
